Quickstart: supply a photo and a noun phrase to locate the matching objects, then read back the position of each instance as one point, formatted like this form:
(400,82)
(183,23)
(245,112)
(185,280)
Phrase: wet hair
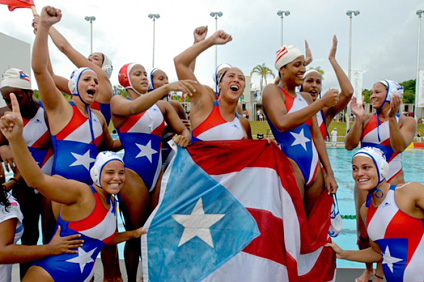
(3,197)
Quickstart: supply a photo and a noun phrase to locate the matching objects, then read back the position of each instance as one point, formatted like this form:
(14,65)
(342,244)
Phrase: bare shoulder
(404,120)
(99,116)
(270,89)
(307,97)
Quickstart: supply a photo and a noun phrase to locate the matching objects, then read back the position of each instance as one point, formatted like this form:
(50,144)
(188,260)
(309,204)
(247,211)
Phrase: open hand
(59,245)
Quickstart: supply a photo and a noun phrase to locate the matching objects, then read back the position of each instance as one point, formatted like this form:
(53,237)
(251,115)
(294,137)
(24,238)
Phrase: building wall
(14,54)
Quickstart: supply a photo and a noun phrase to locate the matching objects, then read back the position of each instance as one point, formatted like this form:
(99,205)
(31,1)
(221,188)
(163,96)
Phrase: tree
(119,90)
(263,71)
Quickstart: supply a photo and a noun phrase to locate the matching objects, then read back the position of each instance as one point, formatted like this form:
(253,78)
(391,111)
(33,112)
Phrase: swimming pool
(341,163)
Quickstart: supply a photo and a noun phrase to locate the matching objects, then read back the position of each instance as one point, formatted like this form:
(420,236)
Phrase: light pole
(91,19)
(419,14)
(216,15)
(154,17)
(349,13)
(281,14)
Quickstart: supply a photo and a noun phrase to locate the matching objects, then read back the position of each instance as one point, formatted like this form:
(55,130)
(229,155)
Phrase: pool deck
(343,274)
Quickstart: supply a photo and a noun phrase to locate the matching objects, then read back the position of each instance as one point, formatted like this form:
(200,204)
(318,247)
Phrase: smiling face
(292,73)
(138,77)
(232,84)
(97,59)
(159,78)
(112,178)
(312,84)
(88,86)
(364,173)
(378,95)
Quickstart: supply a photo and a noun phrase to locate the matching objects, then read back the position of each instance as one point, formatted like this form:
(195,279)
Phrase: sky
(384,34)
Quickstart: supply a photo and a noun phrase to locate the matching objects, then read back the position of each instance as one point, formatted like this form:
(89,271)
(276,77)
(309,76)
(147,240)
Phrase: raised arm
(182,67)
(276,111)
(53,100)
(400,136)
(345,85)
(353,137)
(199,34)
(56,189)
(105,87)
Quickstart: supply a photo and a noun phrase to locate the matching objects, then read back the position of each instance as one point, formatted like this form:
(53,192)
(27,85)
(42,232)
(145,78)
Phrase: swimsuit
(104,109)
(377,135)
(215,127)
(141,138)
(37,137)
(297,143)
(400,238)
(97,230)
(76,146)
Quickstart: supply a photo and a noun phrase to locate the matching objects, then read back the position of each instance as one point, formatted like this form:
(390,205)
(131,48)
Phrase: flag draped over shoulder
(231,211)
(13,4)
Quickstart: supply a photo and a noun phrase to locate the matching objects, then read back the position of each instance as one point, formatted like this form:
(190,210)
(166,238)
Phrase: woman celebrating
(214,120)
(86,210)
(312,84)
(384,130)
(140,121)
(291,117)
(389,213)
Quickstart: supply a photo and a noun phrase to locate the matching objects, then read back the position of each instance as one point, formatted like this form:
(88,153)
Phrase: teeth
(362,180)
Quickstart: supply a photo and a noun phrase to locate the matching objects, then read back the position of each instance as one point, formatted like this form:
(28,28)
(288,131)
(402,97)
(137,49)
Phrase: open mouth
(90,92)
(234,88)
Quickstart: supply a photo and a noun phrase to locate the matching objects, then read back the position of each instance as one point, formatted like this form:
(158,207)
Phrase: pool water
(341,163)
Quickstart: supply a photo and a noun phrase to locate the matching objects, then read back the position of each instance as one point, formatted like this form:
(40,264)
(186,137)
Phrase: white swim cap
(150,78)
(107,66)
(74,79)
(393,88)
(102,159)
(379,160)
(286,55)
(312,71)
(15,78)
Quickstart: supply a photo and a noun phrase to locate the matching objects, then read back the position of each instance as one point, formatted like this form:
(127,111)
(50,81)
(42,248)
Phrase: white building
(14,53)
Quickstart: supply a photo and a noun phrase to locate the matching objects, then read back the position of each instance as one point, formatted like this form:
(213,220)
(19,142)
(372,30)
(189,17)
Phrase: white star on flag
(146,151)
(389,260)
(300,139)
(83,160)
(197,224)
(83,258)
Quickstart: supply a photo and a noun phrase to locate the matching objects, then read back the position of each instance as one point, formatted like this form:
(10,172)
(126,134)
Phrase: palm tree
(263,71)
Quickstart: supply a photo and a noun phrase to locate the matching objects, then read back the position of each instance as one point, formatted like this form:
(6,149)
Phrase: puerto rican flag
(231,211)
(13,4)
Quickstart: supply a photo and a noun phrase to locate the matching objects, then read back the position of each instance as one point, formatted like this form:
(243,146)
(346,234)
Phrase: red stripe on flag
(270,244)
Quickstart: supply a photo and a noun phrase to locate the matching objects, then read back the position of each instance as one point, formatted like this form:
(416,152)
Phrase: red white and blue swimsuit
(297,143)
(104,109)
(215,127)
(37,137)
(141,137)
(401,240)
(321,124)
(76,146)
(370,138)
(97,230)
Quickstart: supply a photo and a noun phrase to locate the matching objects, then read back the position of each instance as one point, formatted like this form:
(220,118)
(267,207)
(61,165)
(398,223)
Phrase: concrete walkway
(343,274)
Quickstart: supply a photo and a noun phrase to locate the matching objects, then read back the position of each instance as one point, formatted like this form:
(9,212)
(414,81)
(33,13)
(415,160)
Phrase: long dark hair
(3,197)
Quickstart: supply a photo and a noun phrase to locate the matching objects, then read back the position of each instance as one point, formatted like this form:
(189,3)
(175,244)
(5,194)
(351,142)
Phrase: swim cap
(379,160)
(15,78)
(286,55)
(102,159)
(215,77)
(393,88)
(150,78)
(312,71)
(124,76)
(73,81)
(107,66)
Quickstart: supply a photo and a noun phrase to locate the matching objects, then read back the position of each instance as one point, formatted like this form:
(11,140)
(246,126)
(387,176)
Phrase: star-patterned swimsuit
(215,127)
(141,137)
(76,146)
(297,143)
(97,230)
(400,237)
